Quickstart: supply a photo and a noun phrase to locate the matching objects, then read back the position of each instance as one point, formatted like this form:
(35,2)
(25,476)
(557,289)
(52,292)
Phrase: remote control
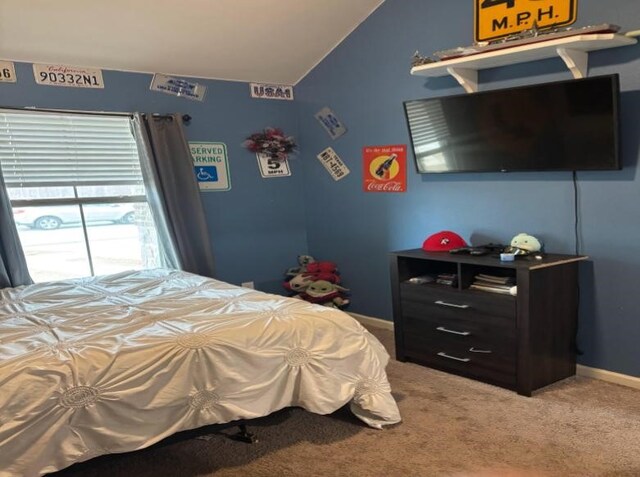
(460,250)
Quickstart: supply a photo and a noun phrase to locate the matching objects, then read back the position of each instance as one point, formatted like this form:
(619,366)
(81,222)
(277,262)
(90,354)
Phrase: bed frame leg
(244,435)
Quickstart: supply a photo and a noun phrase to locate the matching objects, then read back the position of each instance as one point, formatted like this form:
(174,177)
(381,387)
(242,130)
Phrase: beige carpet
(451,427)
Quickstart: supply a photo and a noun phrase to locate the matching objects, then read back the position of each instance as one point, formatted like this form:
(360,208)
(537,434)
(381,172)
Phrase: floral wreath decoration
(272,142)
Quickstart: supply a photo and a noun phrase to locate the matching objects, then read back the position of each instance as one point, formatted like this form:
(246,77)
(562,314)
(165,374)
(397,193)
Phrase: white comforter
(116,363)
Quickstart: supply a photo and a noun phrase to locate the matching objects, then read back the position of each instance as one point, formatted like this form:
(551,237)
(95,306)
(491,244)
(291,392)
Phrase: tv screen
(566,125)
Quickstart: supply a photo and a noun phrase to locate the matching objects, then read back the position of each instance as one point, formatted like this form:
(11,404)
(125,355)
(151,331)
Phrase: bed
(117,363)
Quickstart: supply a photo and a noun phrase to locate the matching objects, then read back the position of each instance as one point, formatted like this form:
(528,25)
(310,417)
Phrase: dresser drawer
(496,334)
(492,366)
(468,320)
(462,341)
(460,301)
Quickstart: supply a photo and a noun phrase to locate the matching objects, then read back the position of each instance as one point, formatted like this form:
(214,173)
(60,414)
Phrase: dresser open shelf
(521,342)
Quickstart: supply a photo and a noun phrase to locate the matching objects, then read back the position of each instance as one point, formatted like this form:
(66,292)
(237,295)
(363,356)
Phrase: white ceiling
(267,41)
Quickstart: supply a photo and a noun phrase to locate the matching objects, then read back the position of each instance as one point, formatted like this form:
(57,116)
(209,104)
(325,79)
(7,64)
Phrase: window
(77,194)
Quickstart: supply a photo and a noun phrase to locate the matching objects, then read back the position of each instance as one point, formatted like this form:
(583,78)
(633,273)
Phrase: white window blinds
(51,149)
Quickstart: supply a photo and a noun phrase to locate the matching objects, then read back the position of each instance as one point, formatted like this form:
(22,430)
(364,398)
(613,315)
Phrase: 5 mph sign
(496,19)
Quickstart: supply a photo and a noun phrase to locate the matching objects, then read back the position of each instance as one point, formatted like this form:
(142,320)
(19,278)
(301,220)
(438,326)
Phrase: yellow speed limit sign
(496,19)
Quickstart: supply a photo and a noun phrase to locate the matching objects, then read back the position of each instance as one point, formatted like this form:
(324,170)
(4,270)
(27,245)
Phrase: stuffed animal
(325,293)
(324,266)
(524,244)
(299,282)
(311,272)
(302,280)
(303,263)
(316,282)
(324,271)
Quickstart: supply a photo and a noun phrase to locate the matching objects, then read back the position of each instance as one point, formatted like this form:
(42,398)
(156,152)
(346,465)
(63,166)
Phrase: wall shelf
(573,50)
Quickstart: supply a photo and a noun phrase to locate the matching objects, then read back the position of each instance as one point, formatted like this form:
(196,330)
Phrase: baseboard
(601,374)
(609,376)
(368,320)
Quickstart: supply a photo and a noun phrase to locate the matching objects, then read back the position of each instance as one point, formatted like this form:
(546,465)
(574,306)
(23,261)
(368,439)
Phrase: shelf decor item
(271,142)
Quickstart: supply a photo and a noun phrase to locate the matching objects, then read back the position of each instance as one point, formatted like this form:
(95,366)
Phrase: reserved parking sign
(211,165)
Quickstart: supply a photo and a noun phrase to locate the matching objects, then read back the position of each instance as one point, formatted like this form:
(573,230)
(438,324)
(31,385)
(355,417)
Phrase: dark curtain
(13,265)
(173,192)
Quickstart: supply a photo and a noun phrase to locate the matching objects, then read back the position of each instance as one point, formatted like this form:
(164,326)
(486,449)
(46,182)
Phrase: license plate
(7,72)
(496,19)
(68,76)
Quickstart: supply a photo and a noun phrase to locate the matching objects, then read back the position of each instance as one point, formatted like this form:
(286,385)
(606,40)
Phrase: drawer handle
(444,303)
(462,333)
(445,355)
(473,350)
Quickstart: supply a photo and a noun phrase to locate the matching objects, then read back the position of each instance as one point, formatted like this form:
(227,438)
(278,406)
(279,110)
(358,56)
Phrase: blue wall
(260,226)
(257,227)
(366,79)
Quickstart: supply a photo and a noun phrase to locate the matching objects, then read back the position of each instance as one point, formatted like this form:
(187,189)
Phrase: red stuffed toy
(317,267)
(314,271)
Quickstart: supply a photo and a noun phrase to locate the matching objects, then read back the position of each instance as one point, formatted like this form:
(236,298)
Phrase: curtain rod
(185,117)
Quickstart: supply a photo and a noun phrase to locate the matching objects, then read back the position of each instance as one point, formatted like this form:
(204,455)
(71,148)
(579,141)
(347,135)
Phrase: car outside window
(77,193)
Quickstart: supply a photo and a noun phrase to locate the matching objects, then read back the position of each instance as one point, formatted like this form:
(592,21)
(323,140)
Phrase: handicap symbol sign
(206,173)
(210,166)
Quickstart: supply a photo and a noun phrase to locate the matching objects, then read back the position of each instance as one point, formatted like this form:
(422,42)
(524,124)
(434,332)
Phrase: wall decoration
(330,123)
(385,168)
(271,91)
(211,165)
(7,72)
(333,164)
(68,76)
(496,19)
(270,167)
(178,87)
(271,142)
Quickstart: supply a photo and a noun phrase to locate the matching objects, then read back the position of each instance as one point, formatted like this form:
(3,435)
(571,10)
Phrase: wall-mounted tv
(563,126)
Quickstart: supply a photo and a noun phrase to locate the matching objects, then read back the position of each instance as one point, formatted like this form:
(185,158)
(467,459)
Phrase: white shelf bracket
(576,60)
(467,77)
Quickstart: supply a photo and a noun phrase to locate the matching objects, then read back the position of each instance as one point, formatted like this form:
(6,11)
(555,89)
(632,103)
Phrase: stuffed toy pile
(316,282)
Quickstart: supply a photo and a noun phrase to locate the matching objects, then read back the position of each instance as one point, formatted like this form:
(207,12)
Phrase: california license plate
(496,19)
(68,76)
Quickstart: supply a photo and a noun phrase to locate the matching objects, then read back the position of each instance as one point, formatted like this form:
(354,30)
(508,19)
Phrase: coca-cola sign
(385,187)
(385,168)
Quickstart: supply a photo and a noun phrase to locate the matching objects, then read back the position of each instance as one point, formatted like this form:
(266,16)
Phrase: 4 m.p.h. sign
(496,19)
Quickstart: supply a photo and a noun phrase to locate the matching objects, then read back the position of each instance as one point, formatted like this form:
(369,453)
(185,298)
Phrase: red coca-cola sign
(385,168)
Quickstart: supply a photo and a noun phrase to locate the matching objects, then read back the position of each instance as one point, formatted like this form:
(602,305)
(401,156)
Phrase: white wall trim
(609,376)
(368,320)
(586,371)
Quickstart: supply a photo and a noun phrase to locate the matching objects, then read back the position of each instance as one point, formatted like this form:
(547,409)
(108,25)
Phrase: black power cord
(576,214)
(576,229)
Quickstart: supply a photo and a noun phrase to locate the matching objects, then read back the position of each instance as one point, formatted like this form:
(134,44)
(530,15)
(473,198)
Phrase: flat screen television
(560,126)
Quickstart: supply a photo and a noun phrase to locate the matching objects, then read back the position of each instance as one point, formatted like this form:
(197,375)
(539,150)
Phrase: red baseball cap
(443,242)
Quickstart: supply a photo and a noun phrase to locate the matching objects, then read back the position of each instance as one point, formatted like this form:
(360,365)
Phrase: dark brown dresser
(520,342)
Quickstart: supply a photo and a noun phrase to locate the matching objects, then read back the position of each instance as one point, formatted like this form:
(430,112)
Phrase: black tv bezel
(615,91)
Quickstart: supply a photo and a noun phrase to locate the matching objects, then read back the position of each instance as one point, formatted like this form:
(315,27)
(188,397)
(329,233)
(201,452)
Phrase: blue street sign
(206,173)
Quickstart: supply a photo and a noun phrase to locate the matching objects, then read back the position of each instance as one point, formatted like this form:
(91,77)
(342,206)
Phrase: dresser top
(493,260)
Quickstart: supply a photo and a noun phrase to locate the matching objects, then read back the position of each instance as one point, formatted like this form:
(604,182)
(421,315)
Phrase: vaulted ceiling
(268,41)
